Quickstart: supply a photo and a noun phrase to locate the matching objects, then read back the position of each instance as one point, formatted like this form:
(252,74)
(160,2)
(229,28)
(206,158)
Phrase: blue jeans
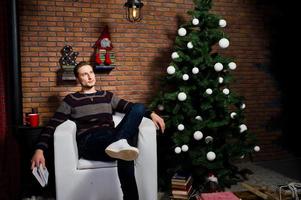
(92,147)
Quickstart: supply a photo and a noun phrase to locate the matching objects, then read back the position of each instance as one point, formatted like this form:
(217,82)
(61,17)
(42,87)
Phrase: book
(218,196)
(182,192)
(41,174)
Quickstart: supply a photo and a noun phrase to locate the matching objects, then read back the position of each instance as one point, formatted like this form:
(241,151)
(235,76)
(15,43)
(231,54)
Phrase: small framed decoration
(68,62)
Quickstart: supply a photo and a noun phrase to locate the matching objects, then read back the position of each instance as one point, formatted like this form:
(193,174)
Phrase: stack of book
(181,185)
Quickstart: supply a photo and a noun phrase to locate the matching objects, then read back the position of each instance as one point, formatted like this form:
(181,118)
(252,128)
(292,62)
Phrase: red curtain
(9,159)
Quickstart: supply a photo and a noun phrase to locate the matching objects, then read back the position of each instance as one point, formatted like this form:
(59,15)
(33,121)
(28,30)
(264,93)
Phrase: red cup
(33,119)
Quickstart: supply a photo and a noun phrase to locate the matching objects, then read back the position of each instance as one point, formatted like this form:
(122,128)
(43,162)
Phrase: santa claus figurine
(103,45)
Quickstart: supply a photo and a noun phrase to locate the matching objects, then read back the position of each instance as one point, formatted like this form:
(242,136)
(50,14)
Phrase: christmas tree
(204,117)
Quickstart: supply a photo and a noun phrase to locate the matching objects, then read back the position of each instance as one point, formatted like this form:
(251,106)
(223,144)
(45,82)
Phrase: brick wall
(142,53)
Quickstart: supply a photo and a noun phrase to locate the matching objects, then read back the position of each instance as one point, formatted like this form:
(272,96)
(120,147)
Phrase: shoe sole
(125,154)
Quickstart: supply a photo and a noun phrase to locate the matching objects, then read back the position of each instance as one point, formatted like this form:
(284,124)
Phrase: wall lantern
(133,10)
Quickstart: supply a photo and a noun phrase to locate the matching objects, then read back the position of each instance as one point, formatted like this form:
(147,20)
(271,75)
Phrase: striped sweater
(87,111)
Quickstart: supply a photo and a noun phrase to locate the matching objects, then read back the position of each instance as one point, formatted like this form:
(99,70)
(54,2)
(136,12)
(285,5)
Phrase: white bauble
(195,21)
(218,67)
(199,118)
(223,43)
(232,65)
(242,128)
(226,91)
(233,114)
(178,150)
(182,31)
(256,148)
(222,23)
(181,127)
(208,139)
(160,107)
(209,91)
(195,70)
(198,135)
(175,55)
(185,77)
(182,96)
(242,106)
(220,80)
(189,45)
(242,157)
(184,148)
(211,156)
(171,70)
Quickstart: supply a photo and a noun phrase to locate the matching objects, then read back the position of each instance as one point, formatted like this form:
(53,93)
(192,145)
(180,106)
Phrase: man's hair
(79,65)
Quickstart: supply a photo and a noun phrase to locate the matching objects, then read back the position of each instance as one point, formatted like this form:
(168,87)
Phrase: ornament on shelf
(209,91)
(232,65)
(199,118)
(181,127)
(182,32)
(223,43)
(195,21)
(182,96)
(208,139)
(218,67)
(171,70)
(185,77)
(226,91)
(198,135)
(256,148)
(103,53)
(222,23)
(189,45)
(178,150)
(242,128)
(160,107)
(220,80)
(185,148)
(175,55)
(195,70)
(233,115)
(67,62)
(211,156)
(242,106)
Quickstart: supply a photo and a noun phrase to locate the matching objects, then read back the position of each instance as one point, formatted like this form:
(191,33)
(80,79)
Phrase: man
(97,139)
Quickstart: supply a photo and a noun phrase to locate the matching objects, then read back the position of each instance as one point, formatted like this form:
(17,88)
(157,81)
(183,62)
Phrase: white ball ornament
(242,106)
(218,67)
(198,135)
(242,128)
(256,148)
(160,107)
(178,150)
(181,127)
(226,91)
(185,77)
(220,80)
(209,91)
(195,21)
(171,70)
(175,55)
(182,96)
(232,65)
(184,148)
(189,45)
(182,32)
(222,23)
(233,114)
(199,118)
(211,156)
(195,70)
(223,43)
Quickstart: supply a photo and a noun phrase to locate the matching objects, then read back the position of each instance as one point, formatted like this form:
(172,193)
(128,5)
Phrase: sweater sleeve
(61,115)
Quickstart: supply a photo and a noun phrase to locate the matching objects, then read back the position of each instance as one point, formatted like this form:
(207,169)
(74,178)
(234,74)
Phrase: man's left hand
(159,122)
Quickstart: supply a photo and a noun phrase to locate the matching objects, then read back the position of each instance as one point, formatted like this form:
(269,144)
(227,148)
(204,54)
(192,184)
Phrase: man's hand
(38,158)
(159,122)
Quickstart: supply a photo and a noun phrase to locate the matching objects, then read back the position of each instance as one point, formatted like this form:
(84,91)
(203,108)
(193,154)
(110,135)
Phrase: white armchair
(78,179)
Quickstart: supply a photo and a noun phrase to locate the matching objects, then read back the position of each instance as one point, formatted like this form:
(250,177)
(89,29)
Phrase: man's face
(86,76)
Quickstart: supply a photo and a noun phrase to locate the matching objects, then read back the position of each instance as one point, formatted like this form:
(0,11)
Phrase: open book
(41,175)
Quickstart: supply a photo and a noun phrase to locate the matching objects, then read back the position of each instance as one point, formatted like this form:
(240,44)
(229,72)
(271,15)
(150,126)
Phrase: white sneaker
(122,150)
